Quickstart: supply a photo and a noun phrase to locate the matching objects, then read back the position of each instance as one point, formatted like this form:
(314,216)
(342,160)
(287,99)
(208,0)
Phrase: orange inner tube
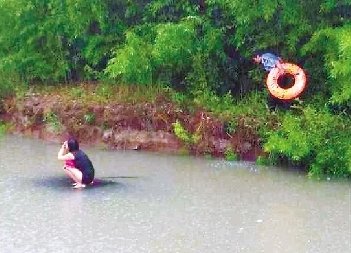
(288,69)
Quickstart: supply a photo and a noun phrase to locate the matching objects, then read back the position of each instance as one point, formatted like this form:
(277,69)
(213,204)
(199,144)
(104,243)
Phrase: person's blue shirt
(269,61)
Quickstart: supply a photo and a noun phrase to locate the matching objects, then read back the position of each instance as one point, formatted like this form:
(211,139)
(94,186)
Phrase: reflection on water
(143,202)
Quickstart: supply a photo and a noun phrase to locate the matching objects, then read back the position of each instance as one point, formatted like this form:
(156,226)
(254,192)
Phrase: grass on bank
(104,93)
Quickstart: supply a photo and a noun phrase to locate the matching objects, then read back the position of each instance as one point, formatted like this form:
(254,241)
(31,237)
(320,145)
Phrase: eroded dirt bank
(142,126)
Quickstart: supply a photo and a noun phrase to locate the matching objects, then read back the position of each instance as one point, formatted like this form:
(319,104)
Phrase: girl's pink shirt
(70,163)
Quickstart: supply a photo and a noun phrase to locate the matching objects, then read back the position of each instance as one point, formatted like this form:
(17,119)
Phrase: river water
(147,202)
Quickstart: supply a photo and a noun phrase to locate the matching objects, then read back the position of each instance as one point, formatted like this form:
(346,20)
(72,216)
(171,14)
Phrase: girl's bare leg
(69,174)
(76,175)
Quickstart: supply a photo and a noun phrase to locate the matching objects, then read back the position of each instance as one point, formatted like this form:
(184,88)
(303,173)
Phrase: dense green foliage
(202,49)
(315,139)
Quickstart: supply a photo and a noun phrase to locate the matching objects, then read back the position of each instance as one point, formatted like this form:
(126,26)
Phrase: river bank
(148,125)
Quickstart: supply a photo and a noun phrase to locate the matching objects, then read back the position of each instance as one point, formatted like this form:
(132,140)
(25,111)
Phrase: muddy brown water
(148,202)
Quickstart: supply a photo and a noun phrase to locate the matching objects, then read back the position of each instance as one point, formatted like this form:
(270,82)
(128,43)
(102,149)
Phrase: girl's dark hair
(72,144)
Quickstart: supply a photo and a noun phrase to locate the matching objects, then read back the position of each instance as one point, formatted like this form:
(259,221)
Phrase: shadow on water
(63,183)
(124,177)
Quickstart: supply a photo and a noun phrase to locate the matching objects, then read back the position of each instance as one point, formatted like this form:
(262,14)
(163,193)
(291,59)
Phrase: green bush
(89,118)
(3,128)
(188,138)
(262,160)
(52,121)
(230,155)
(315,139)
(132,62)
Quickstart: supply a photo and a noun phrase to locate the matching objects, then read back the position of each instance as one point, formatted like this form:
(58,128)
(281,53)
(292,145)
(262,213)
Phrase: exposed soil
(143,126)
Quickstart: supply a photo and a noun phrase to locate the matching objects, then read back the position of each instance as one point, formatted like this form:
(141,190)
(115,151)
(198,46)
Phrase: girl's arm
(63,153)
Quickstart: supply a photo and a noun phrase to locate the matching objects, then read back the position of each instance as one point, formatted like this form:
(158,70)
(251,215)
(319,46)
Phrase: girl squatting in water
(77,166)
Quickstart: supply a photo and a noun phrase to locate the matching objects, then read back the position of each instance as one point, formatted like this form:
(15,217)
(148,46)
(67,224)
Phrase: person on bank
(77,164)
(270,61)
